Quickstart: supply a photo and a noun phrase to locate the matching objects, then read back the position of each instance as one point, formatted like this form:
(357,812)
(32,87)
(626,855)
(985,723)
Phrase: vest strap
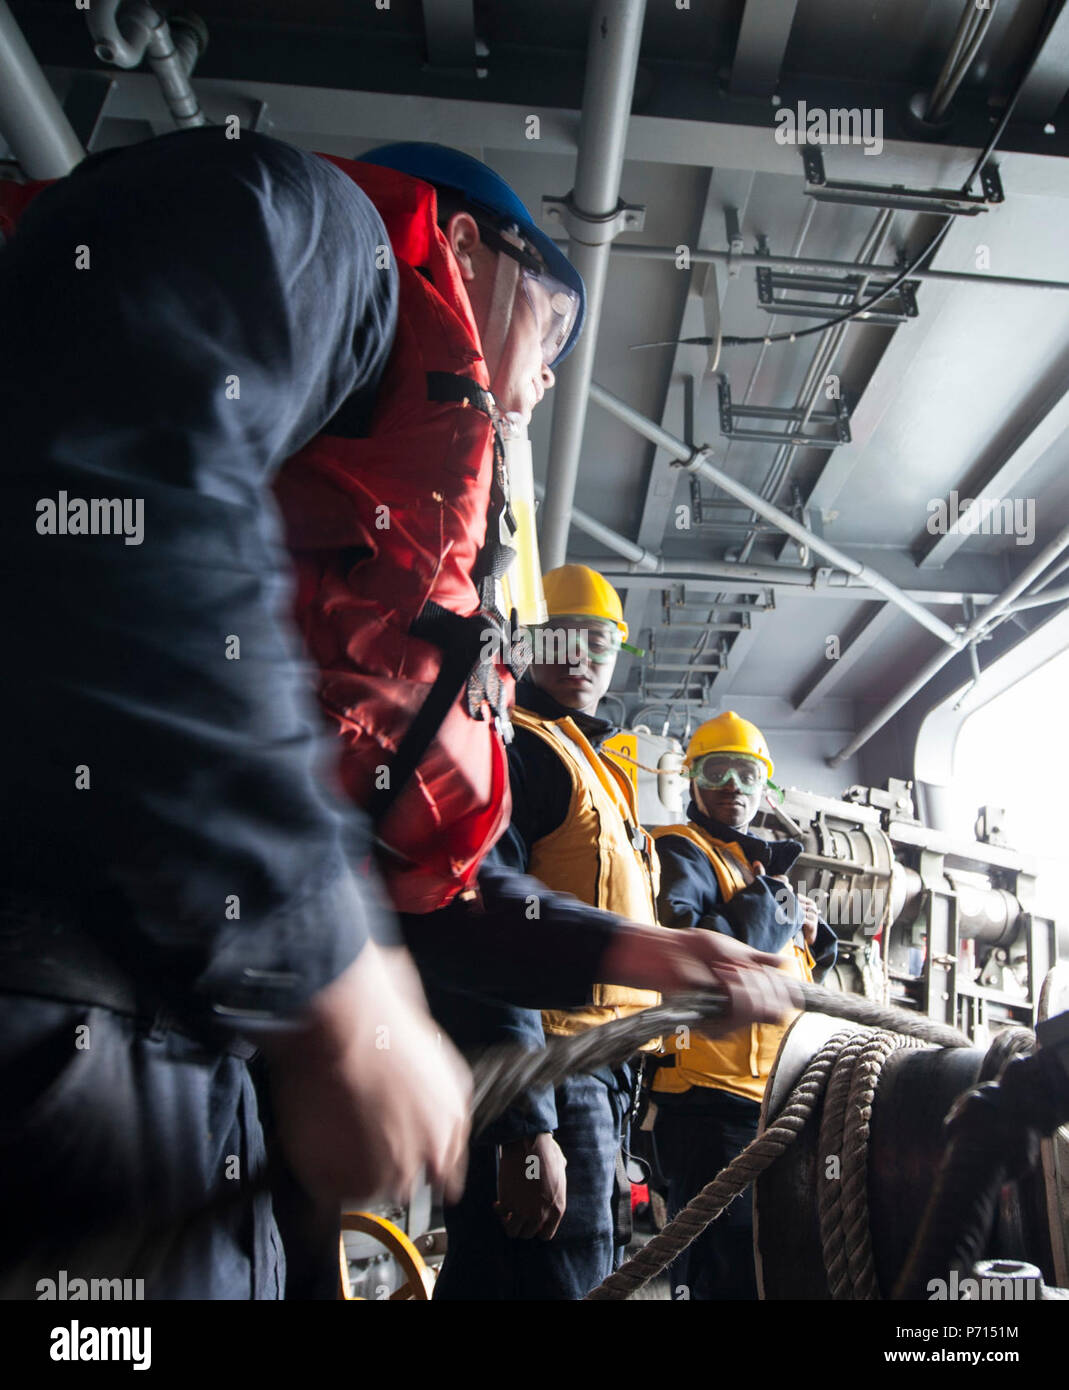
(460,640)
(449,388)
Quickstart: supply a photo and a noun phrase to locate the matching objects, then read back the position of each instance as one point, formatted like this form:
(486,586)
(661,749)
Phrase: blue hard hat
(478,184)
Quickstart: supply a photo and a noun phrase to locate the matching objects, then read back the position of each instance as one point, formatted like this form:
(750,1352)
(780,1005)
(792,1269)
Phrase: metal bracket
(896,308)
(736,245)
(838,419)
(703,509)
(594,231)
(948,201)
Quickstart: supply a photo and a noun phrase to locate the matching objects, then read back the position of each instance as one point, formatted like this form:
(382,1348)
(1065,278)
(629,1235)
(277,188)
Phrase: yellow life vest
(600,854)
(739,1062)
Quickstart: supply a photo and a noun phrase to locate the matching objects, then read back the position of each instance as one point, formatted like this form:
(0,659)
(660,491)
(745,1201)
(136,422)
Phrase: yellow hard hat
(575,591)
(728,733)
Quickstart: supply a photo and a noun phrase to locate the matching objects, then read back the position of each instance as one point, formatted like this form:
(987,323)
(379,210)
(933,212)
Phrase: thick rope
(502,1075)
(728,1183)
(843,1205)
(830,1187)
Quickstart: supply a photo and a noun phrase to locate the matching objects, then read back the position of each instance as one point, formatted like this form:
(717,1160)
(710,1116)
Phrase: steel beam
(762,42)
(830,673)
(31,119)
(999,478)
(499,122)
(612,59)
(975,629)
(695,460)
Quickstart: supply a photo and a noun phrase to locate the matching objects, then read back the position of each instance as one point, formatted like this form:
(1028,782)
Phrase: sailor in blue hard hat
(527,298)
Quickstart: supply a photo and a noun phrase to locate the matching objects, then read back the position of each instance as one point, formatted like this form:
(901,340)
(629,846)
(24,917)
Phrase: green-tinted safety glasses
(747,774)
(567,638)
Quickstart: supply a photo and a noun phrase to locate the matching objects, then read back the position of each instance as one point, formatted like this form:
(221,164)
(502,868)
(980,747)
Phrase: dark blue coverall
(699,1131)
(585,1113)
(179,317)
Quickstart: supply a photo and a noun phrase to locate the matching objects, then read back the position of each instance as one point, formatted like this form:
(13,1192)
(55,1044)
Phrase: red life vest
(15,198)
(382,526)
(385,525)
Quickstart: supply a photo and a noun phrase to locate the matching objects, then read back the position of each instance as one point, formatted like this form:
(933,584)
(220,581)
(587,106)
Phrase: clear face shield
(554,306)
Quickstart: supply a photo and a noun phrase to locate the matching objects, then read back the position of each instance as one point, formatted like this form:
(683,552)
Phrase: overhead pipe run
(804,263)
(696,460)
(31,119)
(975,629)
(1038,600)
(644,560)
(592,216)
(646,568)
(123,33)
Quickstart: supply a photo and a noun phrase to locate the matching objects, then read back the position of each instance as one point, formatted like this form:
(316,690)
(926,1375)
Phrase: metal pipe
(1037,600)
(696,460)
(31,119)
(745,579)
(974,630)
(612,540)
(975,35)
(124,31)
(752,259)
(615,39)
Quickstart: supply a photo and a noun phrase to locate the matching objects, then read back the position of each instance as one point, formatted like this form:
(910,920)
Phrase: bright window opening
(1014,753)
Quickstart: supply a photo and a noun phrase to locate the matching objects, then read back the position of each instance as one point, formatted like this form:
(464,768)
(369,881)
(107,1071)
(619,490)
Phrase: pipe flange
(594,231)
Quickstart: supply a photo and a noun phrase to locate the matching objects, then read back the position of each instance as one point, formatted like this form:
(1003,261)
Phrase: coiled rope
(842,1196)
(502,1075)
(846,1073)
(846,1068)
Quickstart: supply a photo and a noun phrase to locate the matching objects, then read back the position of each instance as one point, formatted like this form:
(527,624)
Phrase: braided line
(858,1231)
(502,1075)
(728,1183)
(832,1141)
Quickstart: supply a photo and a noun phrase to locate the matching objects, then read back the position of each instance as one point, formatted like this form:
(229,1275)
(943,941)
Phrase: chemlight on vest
(739,1062)
(381,526)
(592,855)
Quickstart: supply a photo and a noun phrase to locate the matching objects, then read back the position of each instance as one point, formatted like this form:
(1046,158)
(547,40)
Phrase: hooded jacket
(707,881)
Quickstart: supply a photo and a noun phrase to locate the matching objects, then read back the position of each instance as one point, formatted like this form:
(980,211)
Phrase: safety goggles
(717,770)
(747,775)
(569,641)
